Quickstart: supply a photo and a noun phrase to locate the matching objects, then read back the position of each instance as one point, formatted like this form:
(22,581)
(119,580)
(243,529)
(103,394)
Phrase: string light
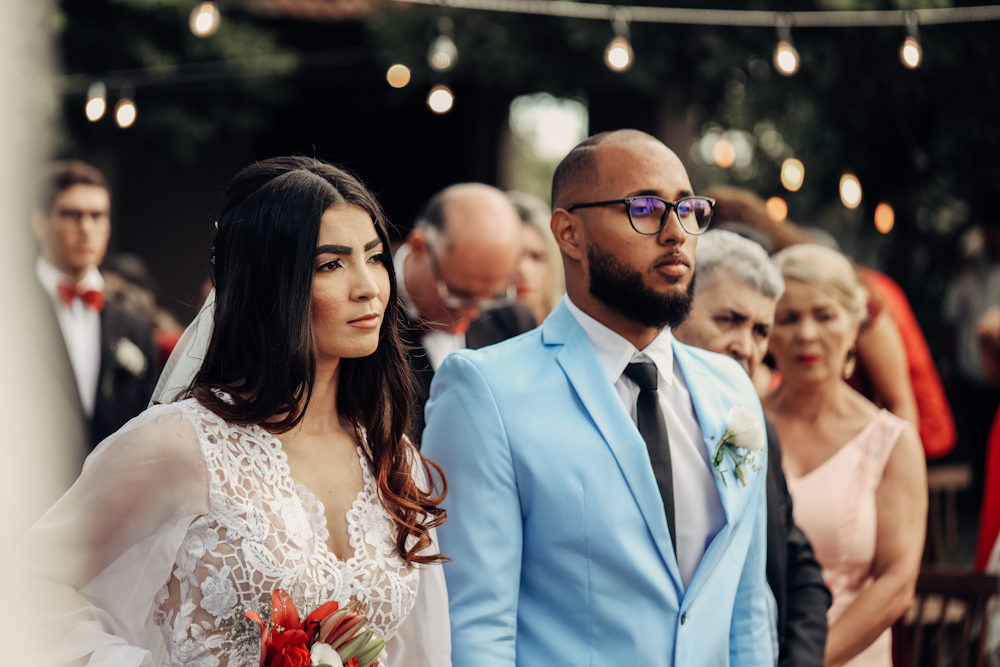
(911,53)
(398,76)
(885,218)
(777,209)
(441,99)
(205,19)
(786,58)
(125,111)
(97,101)
(850,190)
(793,172)
(724,153)
(443,54)
(618,54)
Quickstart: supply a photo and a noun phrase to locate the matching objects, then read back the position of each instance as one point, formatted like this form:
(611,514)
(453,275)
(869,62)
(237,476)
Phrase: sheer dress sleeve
(98,557)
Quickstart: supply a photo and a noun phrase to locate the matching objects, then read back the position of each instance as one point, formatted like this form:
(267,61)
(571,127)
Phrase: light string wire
(730,17)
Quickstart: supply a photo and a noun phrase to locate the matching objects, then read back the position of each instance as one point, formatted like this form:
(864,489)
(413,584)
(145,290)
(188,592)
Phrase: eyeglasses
(648,215)
(461,302)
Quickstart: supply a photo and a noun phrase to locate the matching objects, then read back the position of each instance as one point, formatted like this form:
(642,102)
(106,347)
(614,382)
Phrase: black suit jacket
(129,394)
(795,577)
(493,326)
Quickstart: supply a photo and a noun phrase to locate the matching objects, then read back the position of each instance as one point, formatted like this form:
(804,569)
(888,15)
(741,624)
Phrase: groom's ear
(568,231)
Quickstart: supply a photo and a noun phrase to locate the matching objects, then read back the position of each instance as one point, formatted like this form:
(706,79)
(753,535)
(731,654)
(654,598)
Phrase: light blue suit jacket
(561,553)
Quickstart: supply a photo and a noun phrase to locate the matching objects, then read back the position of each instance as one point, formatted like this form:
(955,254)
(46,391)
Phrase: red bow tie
(91,298)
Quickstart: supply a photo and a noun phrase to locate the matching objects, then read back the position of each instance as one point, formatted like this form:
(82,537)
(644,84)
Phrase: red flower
(285,642)
(289,649)
(353,662)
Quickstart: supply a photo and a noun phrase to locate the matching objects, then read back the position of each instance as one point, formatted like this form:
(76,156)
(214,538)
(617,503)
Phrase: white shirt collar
(615,353)
(398,261)
(50,276)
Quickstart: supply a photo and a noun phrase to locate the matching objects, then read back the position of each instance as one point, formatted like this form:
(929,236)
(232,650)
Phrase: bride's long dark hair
(262,351)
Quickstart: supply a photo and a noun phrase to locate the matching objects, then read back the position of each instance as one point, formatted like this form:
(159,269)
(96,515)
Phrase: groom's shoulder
(510,364)
(511,351)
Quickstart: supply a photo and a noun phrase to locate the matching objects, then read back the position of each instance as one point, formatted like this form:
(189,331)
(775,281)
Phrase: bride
(286,465)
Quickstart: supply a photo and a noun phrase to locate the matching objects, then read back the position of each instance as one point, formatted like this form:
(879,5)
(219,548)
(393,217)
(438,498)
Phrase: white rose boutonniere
(743,439)
(127,356)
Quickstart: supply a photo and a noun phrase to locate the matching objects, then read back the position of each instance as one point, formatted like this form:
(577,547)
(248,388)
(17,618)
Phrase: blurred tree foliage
(927,141)
(189,91)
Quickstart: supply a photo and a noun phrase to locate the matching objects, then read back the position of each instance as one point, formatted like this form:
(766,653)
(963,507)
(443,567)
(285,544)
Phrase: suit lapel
(711,413)
(583,369)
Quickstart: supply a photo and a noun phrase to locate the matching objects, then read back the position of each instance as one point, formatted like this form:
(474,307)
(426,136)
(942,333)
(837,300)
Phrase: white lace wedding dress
(180,521)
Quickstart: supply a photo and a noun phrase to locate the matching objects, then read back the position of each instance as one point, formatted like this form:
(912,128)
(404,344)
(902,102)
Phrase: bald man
(454,276)
(589,520)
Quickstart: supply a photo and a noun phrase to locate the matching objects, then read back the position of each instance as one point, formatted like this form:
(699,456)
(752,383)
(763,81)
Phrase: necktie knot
(643,374)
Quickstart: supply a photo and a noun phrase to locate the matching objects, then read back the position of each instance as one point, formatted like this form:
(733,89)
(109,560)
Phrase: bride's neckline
(321,529)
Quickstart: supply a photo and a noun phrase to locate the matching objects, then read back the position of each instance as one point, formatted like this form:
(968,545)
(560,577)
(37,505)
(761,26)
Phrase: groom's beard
(623,290)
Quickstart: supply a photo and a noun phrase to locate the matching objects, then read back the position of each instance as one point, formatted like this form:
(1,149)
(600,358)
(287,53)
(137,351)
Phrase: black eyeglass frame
(671,205)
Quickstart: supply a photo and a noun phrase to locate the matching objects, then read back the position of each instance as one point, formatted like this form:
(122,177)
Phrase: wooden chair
(943,483)
(946,625)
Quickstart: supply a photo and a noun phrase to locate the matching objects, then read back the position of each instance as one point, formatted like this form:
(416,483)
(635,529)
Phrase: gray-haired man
(737,289)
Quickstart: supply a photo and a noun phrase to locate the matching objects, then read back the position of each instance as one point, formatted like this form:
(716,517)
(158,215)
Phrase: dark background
(271,83)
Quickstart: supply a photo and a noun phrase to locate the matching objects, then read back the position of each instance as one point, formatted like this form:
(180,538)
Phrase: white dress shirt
(439,344)
(81,329)
(698,511)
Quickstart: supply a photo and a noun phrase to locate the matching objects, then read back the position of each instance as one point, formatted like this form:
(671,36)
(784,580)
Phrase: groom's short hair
(577,168)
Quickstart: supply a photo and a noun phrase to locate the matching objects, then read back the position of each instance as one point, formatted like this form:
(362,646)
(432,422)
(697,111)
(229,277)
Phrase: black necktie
(653,429)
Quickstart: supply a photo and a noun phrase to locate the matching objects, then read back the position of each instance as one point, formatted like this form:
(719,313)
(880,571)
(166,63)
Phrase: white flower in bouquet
(324,654)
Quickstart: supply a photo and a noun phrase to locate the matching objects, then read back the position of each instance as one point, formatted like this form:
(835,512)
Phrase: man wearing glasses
(589,520)
(454,277)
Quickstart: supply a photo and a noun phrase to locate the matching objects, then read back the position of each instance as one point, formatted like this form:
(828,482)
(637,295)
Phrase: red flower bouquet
(328,637)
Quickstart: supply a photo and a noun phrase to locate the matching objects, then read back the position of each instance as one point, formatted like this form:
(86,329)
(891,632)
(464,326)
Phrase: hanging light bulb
(724,153)
(125,111)
(777,208)
(205,19)
(97,101)
(398,76)
(793,172)
(618,54)
(786,58)
(441,99)
(910,52)
(850,190)
(885,218)
(443,54)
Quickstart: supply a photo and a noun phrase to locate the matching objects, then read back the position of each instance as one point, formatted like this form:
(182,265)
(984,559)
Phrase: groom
(586,523)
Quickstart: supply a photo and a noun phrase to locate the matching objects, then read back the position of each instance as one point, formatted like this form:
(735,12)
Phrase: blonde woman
(856,473)
(539,280)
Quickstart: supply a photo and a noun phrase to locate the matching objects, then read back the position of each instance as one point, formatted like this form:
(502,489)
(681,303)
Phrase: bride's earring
(852,361)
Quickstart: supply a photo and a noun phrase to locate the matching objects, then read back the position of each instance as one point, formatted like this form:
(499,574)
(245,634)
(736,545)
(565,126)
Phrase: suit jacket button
(684,616)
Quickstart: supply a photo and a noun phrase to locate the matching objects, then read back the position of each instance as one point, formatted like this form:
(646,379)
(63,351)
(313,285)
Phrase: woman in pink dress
(856,473)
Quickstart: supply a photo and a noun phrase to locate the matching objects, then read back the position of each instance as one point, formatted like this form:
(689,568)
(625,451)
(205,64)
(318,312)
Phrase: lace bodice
(180,522)
(263,531)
